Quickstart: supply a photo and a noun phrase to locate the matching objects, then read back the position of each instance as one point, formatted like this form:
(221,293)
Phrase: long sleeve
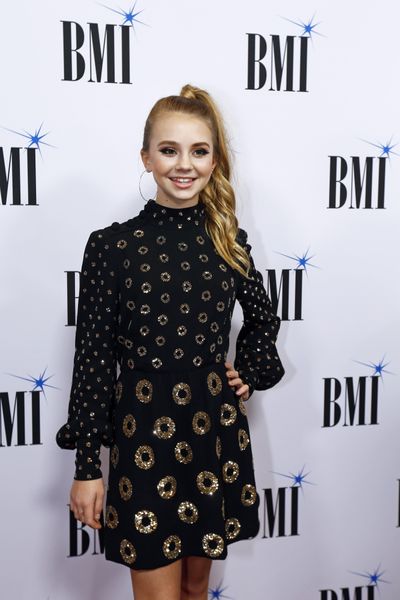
(257,359)
(94,371)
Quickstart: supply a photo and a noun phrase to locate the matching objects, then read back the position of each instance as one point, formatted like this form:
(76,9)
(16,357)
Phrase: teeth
(181,179)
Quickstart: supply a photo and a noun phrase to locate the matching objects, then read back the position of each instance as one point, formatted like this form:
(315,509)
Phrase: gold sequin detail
(125,488)
(188,512)
(145,521)
(214,383)
(166,487)
(213,544)
(144,457)
(244,439)
(183,452)
(232,528)
(172,546)
(114,455)
(122,244)
(228,414)
(218,446)
(181,393)
(111,517)
(230,471)
(164,427)
(144,390)
(248,495)
(201,422)
(242,406)
(207,482)
(127,551)
(129,425)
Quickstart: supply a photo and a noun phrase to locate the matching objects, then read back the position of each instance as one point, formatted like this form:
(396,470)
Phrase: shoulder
(115,231)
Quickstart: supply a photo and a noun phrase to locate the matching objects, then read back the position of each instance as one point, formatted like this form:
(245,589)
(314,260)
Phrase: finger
(90,515)
(236,381)
(232,373)
(244,388)
(98,506)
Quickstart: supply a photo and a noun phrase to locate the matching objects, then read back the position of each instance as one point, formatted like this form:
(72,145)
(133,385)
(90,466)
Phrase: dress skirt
(181,473)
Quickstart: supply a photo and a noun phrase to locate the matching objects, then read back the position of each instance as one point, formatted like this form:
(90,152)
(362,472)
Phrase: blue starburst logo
(378,368)
(297,478)
(217,593)
(308,27)
(374,578)
(35,139)
(129,16)
(386,150)
(302,261)
(37,382)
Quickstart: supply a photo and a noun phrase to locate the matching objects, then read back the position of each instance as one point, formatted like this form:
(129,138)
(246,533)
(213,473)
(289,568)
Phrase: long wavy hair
(218,196)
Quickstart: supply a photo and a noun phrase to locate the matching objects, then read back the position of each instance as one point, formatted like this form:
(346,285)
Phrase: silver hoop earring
(140,180)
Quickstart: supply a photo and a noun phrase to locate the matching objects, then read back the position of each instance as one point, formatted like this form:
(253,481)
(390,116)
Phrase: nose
(184,162)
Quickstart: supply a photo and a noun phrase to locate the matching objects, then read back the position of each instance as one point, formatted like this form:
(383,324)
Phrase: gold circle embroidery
(201,422)
(127,551)
(144,457)
(172,546)
(207,482)
(183,452)
(125,488)
(213,544)
(166,487)
(144,390)
(145,521)
(214,383)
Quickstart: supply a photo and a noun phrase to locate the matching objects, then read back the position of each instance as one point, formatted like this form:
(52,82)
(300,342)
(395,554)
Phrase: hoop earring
(140,179)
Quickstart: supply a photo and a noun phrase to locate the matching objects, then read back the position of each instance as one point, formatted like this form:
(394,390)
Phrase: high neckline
(168,214)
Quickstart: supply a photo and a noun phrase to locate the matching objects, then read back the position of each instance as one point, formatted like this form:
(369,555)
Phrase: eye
(203,151)
(166,151)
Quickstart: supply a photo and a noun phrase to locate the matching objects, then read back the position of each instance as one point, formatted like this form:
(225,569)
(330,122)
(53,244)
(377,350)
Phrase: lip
(183,185)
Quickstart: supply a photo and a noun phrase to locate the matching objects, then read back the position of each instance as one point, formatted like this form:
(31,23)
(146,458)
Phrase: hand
(234,380)
(86,501)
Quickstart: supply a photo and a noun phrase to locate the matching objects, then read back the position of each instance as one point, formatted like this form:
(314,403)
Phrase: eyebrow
(176,143)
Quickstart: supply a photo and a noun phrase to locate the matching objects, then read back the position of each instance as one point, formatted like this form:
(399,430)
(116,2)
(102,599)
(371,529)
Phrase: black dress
(156,298)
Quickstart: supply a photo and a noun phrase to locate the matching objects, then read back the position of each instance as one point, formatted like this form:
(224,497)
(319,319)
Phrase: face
(180,157)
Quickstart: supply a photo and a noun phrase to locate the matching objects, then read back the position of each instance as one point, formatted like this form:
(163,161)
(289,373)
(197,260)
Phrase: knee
(195,588)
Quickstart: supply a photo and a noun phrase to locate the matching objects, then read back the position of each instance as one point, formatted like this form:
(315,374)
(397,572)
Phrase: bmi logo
(18,178)
(280,61)
(82,539)
(359,181)
(99,52)
(288,292)
(22,424)
(281,506)
(353,401)
(359,592)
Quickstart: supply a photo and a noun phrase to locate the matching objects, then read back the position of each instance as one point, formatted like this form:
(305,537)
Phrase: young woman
(157,294)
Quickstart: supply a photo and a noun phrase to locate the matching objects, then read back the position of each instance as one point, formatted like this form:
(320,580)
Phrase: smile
(182,179)
(183,182)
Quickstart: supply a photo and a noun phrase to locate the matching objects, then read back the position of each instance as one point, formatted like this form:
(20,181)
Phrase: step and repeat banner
(310,97)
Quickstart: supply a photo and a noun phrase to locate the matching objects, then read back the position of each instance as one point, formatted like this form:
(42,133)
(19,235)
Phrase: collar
(167,214)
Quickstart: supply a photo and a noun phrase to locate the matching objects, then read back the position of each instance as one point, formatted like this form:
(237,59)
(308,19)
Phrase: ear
(145,160)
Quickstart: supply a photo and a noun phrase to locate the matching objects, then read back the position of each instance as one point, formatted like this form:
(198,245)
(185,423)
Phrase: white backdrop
(348,535)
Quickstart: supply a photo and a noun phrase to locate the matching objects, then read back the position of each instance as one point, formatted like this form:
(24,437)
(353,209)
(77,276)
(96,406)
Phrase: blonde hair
(218,196)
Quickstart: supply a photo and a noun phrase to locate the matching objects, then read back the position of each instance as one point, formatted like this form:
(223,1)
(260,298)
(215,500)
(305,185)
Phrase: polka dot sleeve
(257,359)
(94,371)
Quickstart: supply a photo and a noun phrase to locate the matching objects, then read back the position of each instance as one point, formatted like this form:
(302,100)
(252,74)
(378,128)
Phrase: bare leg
(195,577)
(163,583)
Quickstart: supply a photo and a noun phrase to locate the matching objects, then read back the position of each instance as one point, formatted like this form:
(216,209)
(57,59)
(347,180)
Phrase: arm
(94,372)
(257,359)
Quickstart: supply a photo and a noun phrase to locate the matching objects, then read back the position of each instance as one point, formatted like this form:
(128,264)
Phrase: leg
(163,583)
(195,577)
